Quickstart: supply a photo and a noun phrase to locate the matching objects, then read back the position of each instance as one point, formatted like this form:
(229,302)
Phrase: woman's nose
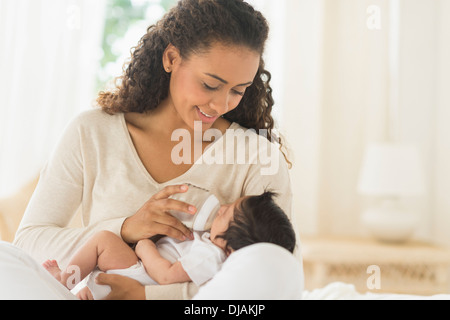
(220,104)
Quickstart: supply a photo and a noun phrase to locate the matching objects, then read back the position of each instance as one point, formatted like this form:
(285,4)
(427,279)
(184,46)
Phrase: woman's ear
(171,58)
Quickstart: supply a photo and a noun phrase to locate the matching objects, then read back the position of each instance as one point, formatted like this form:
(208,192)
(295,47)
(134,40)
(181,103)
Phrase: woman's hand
(153,218)
(122,288)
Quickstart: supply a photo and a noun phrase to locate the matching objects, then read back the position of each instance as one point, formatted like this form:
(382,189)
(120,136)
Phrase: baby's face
(222,222)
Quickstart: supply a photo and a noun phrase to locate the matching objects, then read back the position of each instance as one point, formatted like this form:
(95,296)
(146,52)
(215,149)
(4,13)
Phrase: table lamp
(391,173)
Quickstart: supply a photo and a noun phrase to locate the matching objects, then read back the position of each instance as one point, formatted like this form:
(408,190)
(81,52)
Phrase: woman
(201,66)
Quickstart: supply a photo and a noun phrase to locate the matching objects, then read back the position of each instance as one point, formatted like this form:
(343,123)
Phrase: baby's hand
(144,246)
(85,294)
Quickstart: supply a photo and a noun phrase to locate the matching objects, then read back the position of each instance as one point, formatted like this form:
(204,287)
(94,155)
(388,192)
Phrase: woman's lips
(205,117)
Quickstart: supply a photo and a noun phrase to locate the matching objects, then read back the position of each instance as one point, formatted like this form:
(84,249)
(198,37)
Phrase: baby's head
(250,220)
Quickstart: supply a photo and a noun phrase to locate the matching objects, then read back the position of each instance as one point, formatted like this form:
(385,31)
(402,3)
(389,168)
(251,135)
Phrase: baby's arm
(159,269)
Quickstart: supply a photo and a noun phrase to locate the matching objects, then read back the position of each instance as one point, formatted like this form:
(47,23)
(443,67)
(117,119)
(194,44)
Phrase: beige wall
(336,96)
(441,198)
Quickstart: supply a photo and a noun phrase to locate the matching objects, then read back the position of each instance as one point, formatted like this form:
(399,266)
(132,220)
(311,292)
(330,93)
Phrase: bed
(346,291)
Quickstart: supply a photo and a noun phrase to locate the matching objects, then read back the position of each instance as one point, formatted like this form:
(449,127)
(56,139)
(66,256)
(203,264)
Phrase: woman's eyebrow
(226,82)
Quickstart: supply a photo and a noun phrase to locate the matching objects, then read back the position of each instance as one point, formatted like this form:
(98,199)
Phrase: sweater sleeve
(176,291)
(44,232)
(272,173)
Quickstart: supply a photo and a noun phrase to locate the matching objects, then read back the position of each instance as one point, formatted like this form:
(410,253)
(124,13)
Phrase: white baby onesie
(200,258)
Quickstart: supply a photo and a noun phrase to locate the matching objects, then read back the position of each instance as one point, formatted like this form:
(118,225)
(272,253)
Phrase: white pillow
(262,271)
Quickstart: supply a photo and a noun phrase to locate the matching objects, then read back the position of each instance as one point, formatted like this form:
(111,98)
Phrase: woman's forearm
(44,242)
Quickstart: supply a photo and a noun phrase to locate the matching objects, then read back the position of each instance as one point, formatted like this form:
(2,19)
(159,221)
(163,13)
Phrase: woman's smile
(204,117)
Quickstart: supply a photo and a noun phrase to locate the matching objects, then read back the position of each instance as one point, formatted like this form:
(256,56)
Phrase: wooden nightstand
(410,268)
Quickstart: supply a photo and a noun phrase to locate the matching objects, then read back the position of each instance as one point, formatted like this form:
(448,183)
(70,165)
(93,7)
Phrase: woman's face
(208,85)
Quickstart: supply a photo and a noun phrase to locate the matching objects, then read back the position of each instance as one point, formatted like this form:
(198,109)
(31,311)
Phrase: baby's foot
(52,267)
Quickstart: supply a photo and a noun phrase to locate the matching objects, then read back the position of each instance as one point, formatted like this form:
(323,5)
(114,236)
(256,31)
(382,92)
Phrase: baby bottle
(207,206)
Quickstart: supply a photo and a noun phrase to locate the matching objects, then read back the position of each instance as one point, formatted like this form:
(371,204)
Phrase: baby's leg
(105,250)
(114,253)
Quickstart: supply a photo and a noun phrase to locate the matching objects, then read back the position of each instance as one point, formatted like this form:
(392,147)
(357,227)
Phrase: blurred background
(349,76)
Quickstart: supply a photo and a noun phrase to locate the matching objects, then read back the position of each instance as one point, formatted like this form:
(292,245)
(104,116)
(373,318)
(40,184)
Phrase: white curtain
(275,13)
(340,59)
(49,53)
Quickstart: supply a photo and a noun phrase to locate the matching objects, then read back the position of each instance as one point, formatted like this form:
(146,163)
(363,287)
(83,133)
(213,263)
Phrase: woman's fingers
(168,225)
(154,217)
(170,191)
(181,233)
(164,205)
(122,288)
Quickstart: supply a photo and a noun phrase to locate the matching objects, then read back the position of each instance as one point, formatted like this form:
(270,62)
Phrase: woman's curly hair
(193,26)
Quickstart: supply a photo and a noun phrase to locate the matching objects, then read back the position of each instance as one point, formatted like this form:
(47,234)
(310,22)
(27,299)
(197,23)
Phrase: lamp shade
(391,170)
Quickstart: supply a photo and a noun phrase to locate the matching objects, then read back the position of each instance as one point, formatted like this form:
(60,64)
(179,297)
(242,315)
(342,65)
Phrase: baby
(247,221)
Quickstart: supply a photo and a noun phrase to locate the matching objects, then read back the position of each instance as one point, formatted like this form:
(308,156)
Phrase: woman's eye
(209,87)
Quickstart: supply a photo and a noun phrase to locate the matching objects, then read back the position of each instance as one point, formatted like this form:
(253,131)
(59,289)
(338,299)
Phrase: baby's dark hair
(259,219)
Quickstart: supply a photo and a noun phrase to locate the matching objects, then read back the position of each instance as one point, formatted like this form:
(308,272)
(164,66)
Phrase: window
(126,22)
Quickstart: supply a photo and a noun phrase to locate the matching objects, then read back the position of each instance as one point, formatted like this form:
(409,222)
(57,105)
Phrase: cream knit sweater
(96,166)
